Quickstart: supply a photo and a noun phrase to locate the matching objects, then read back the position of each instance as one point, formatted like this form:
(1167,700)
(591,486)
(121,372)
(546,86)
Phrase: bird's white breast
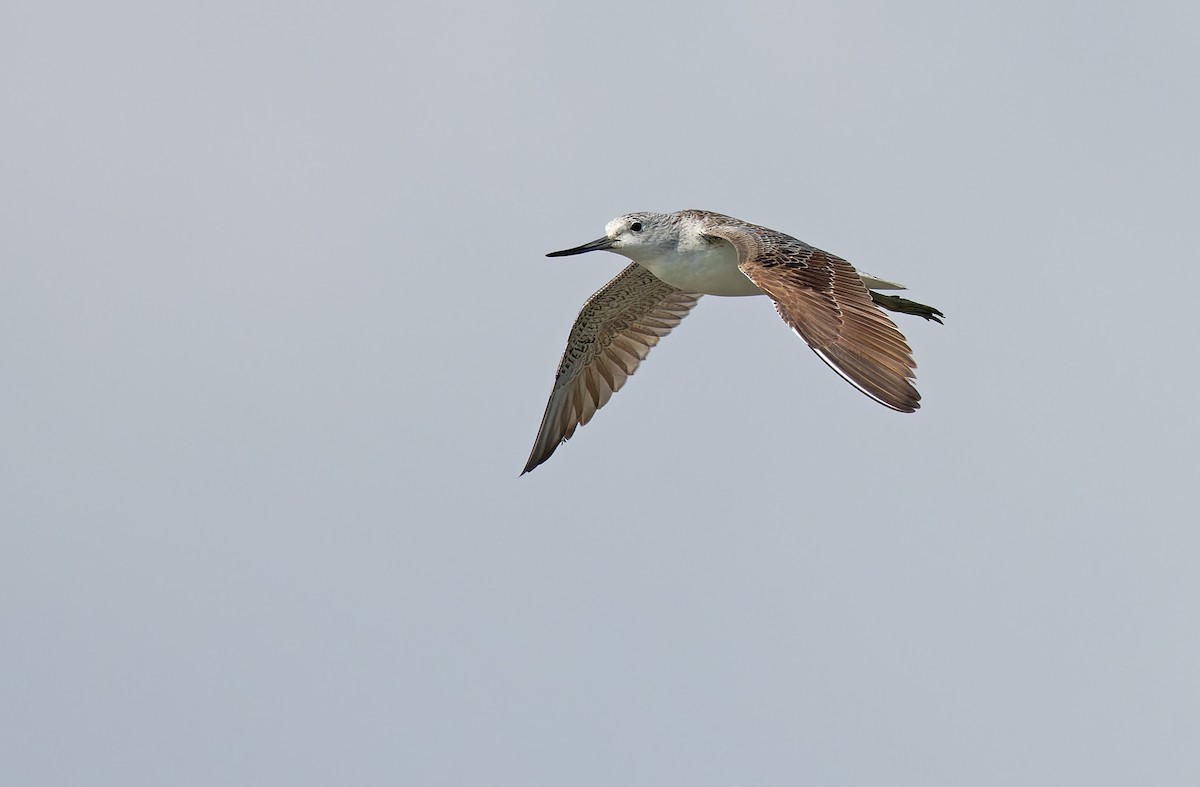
(710,269)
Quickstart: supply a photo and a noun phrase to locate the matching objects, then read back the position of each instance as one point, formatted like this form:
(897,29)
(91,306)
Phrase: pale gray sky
(277,332)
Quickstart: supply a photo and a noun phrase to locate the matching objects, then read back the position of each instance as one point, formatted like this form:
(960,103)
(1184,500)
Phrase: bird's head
(634,235)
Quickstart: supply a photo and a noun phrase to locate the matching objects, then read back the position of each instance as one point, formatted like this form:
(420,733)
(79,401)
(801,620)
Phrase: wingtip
(537,458)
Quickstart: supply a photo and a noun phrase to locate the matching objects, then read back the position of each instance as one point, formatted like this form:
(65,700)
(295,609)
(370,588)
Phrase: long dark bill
(599,244)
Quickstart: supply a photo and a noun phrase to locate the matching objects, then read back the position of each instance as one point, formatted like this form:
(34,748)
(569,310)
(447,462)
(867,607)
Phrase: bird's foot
(903,305)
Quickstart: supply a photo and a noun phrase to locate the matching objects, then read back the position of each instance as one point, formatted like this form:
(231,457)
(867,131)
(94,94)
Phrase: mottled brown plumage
(822,298)
(611,336)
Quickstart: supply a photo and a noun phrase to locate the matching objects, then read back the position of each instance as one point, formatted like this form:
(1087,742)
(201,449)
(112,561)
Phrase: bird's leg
(903,305)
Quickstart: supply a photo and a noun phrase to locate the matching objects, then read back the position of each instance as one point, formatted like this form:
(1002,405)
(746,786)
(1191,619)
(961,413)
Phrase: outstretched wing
(825,301)
(613,333)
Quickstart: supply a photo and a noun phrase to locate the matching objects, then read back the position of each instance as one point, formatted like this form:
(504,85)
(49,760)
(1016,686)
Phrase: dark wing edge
(821,297)
(613,333)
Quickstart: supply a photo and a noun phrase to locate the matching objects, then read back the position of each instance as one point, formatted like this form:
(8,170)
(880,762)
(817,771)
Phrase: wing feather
(824,300)
(613,334)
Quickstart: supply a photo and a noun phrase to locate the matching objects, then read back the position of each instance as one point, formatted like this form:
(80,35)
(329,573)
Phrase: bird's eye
(636,226)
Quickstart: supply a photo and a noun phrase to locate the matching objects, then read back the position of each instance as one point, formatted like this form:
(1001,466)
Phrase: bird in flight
(677,257)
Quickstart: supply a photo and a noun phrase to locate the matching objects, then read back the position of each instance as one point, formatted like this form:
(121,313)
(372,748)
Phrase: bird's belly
(710,273)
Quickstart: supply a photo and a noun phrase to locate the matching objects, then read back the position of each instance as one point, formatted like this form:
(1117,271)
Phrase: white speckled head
(642,235)
(637,236)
